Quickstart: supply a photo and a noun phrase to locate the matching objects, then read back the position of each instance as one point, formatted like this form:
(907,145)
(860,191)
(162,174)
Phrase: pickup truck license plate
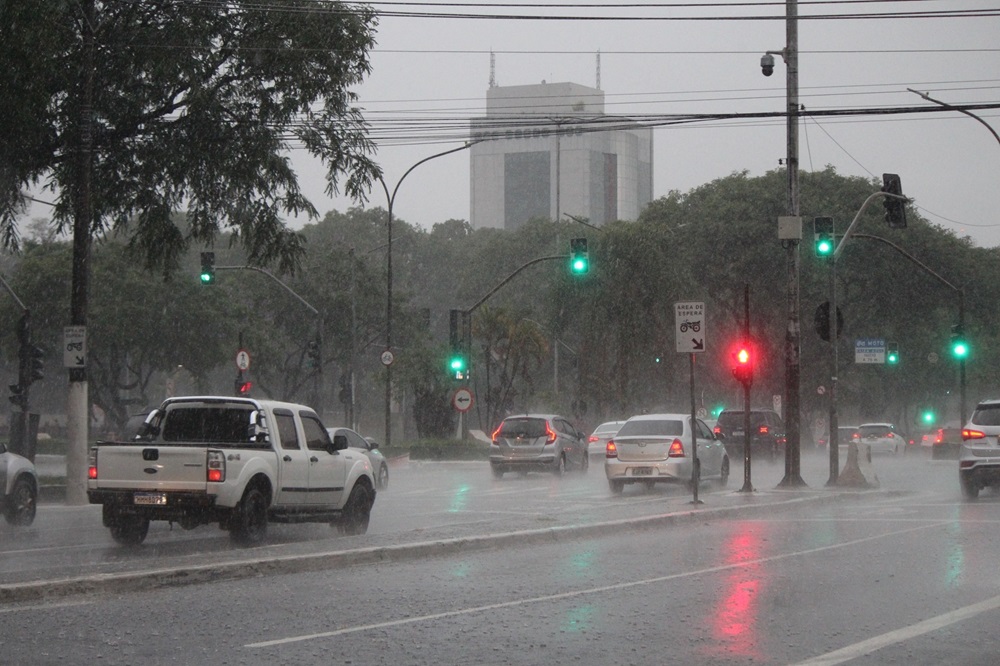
(150,499)
(642,471)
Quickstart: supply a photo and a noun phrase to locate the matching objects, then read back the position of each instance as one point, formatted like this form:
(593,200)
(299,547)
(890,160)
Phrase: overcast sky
(438,69)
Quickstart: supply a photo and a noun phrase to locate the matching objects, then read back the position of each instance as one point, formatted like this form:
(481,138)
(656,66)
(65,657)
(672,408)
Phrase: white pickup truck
(238,462)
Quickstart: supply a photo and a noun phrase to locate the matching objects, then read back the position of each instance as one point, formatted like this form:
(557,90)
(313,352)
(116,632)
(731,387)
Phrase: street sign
(869,350)
(243,359)
(689,326)
(461,400)
(75,346)
(387,358)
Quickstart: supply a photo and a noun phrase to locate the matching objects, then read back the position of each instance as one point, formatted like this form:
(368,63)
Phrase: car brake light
(717,430)
(496,433)
(593,438)
(762,430)
(610,450)
(92,464)
(550,434)
(676,449)
(216,467)
(972,434)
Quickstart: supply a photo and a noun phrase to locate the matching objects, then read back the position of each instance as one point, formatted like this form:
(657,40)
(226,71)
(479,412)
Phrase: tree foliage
(194,107)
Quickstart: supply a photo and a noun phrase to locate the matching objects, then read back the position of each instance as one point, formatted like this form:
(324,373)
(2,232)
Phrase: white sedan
(881,438)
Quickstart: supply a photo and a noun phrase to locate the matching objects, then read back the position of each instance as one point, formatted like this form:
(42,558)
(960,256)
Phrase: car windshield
(523,428)
(607,429)
(987,415)
(652,427)
(878,430)
(735,419)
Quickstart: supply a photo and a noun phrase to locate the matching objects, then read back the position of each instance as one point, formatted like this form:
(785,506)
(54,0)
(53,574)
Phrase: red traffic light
(743,362)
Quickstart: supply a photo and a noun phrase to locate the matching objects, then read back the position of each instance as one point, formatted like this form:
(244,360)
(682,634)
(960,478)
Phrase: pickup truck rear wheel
(248,526)
(357,511)
(129,530)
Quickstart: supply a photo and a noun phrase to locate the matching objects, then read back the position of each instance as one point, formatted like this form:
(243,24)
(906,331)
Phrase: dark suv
(767,432)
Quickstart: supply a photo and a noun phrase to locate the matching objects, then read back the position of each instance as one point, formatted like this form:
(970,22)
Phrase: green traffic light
(457,363)
(893,357)
(824,247)
(207,278)
(928,417)
(579,266)
(960,349)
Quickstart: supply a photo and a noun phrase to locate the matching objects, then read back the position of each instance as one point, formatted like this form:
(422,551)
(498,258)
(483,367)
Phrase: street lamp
(387,355)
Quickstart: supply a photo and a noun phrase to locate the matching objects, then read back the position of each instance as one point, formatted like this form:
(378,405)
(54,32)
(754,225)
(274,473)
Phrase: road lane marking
(900,635)
(579,593)
(64,604)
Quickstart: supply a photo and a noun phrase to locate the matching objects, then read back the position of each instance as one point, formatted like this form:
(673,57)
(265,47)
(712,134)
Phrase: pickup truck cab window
(317,438)
(208,424)
(287,433)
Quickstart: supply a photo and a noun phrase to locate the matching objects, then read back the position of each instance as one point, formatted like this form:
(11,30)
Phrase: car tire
(357,512)
(248,526)
(724,472)
(585,463)
(616,486)
(382,482)
(21,503)
(970,490)
(129,530)
(560,465)
(497,472)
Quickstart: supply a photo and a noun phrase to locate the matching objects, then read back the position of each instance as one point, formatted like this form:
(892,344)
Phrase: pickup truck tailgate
(125,467)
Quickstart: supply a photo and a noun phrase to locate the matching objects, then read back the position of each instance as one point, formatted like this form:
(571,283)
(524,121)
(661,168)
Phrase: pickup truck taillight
(92,463)
(216,467)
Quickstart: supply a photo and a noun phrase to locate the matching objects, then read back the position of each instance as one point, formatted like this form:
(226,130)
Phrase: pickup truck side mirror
(339,442)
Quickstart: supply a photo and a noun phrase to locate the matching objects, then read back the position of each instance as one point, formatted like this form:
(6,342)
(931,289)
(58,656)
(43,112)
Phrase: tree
(182,106)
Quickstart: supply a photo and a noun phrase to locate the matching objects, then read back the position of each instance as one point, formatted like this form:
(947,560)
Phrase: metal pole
(747,483)
(793,428)
(833,441)
(695,462)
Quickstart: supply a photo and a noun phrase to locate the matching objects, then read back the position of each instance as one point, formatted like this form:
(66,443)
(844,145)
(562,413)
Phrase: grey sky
(433,68)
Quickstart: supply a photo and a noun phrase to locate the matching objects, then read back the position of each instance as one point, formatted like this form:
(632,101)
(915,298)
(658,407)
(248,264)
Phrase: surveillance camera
(767,64)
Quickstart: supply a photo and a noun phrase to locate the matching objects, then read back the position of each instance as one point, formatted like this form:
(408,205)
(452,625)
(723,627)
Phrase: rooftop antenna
(598,69)
(493,69)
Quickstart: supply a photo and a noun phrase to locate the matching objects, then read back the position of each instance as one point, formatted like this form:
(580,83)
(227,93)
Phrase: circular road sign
(462,400)
(243,359)
(387,358)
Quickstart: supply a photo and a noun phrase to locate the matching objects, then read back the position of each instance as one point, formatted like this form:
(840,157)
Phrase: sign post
(689,326)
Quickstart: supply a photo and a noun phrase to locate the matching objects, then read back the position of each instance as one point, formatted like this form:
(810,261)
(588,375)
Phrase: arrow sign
(462,400)
(689,326)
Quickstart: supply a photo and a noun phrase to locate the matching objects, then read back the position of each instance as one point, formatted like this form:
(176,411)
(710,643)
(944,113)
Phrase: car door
(575,446)
(709,449)
(327,465)
(293,480)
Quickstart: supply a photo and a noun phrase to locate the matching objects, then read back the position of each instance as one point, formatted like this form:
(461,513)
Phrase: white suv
(881,438)
(979,455)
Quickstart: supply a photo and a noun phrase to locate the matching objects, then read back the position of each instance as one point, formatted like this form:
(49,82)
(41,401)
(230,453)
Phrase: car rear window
(735,419)
(217,425)
(875,431)
(523,428)
(987,415)
(607,429)
(652,427)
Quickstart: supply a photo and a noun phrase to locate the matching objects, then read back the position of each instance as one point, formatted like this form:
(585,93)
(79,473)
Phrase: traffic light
(895,209)
(823,231)
(927,417)
(208,268)
(579,257)
(312,354)
(19,396)
(959,347)
(743,362)
(891,353)
(243,388)
(457,366)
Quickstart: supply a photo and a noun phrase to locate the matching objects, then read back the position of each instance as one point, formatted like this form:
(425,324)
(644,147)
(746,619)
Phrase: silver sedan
(368,446)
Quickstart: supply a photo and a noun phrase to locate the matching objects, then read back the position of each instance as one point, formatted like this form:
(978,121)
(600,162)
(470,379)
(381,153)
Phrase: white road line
(65,604)
(580,593)
(900,635)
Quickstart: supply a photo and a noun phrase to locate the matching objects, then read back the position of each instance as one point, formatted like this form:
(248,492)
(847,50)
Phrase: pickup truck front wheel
(129,530)
(357,512)
(248,526)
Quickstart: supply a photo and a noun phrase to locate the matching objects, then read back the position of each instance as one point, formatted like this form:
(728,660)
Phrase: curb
(291,564)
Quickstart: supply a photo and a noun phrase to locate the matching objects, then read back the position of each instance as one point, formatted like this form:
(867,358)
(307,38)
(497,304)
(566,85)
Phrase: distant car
(922,440)
(946,443)
(380,468)
(18,488)
(845,435)
(881,438)
(537,442)
(767,432)
(598,439)
(654,448)
(979,455)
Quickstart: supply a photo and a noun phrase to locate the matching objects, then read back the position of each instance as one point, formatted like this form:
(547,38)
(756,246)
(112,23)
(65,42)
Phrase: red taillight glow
(610,450)
(763,430)
(550,434)
(92,472)
(676,449)
(496,434)
(593,438)
(216,467)
(92,463)
(972,434)
(717,430)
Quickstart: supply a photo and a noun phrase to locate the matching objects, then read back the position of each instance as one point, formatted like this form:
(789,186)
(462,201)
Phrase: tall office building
(549,151)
